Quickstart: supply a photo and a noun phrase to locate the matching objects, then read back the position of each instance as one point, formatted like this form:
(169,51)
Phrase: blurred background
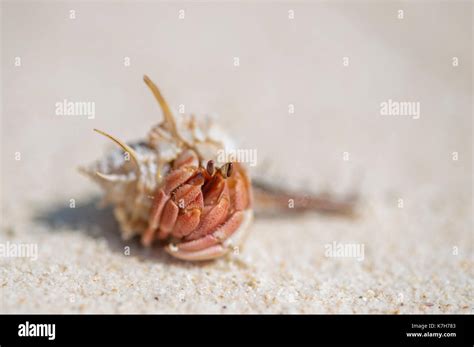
(334,63)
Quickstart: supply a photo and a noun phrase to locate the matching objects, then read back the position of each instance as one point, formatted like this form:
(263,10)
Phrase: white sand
(417,259)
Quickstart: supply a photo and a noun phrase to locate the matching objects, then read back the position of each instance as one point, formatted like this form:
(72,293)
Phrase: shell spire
(169,118)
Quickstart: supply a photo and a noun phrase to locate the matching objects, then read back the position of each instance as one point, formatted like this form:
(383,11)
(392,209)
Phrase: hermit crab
(173,188)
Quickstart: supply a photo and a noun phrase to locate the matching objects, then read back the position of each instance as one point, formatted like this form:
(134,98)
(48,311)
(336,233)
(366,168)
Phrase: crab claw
(217,244)
(202,213)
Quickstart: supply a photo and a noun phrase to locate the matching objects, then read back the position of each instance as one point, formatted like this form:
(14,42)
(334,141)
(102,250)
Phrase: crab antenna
(124,146)
(211,169)
(163,104)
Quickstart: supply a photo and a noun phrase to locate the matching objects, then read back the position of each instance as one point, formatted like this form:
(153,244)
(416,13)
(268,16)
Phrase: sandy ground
(418,251)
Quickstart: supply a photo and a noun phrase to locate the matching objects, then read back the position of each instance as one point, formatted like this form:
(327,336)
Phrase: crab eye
(211,169)
(227,170)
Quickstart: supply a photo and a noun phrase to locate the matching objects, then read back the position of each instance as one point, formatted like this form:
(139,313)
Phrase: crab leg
(213,216)
(210,246)
(173,180)
(212,252)
(183,196)
(186,223)
(168,218)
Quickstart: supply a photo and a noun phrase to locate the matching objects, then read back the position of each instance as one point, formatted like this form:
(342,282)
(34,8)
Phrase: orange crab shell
(199,211)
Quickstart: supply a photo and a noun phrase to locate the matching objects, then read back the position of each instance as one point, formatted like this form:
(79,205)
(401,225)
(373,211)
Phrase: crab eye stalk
(211,169)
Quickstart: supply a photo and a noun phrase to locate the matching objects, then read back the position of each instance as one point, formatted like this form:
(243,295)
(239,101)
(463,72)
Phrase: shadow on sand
(99,223)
